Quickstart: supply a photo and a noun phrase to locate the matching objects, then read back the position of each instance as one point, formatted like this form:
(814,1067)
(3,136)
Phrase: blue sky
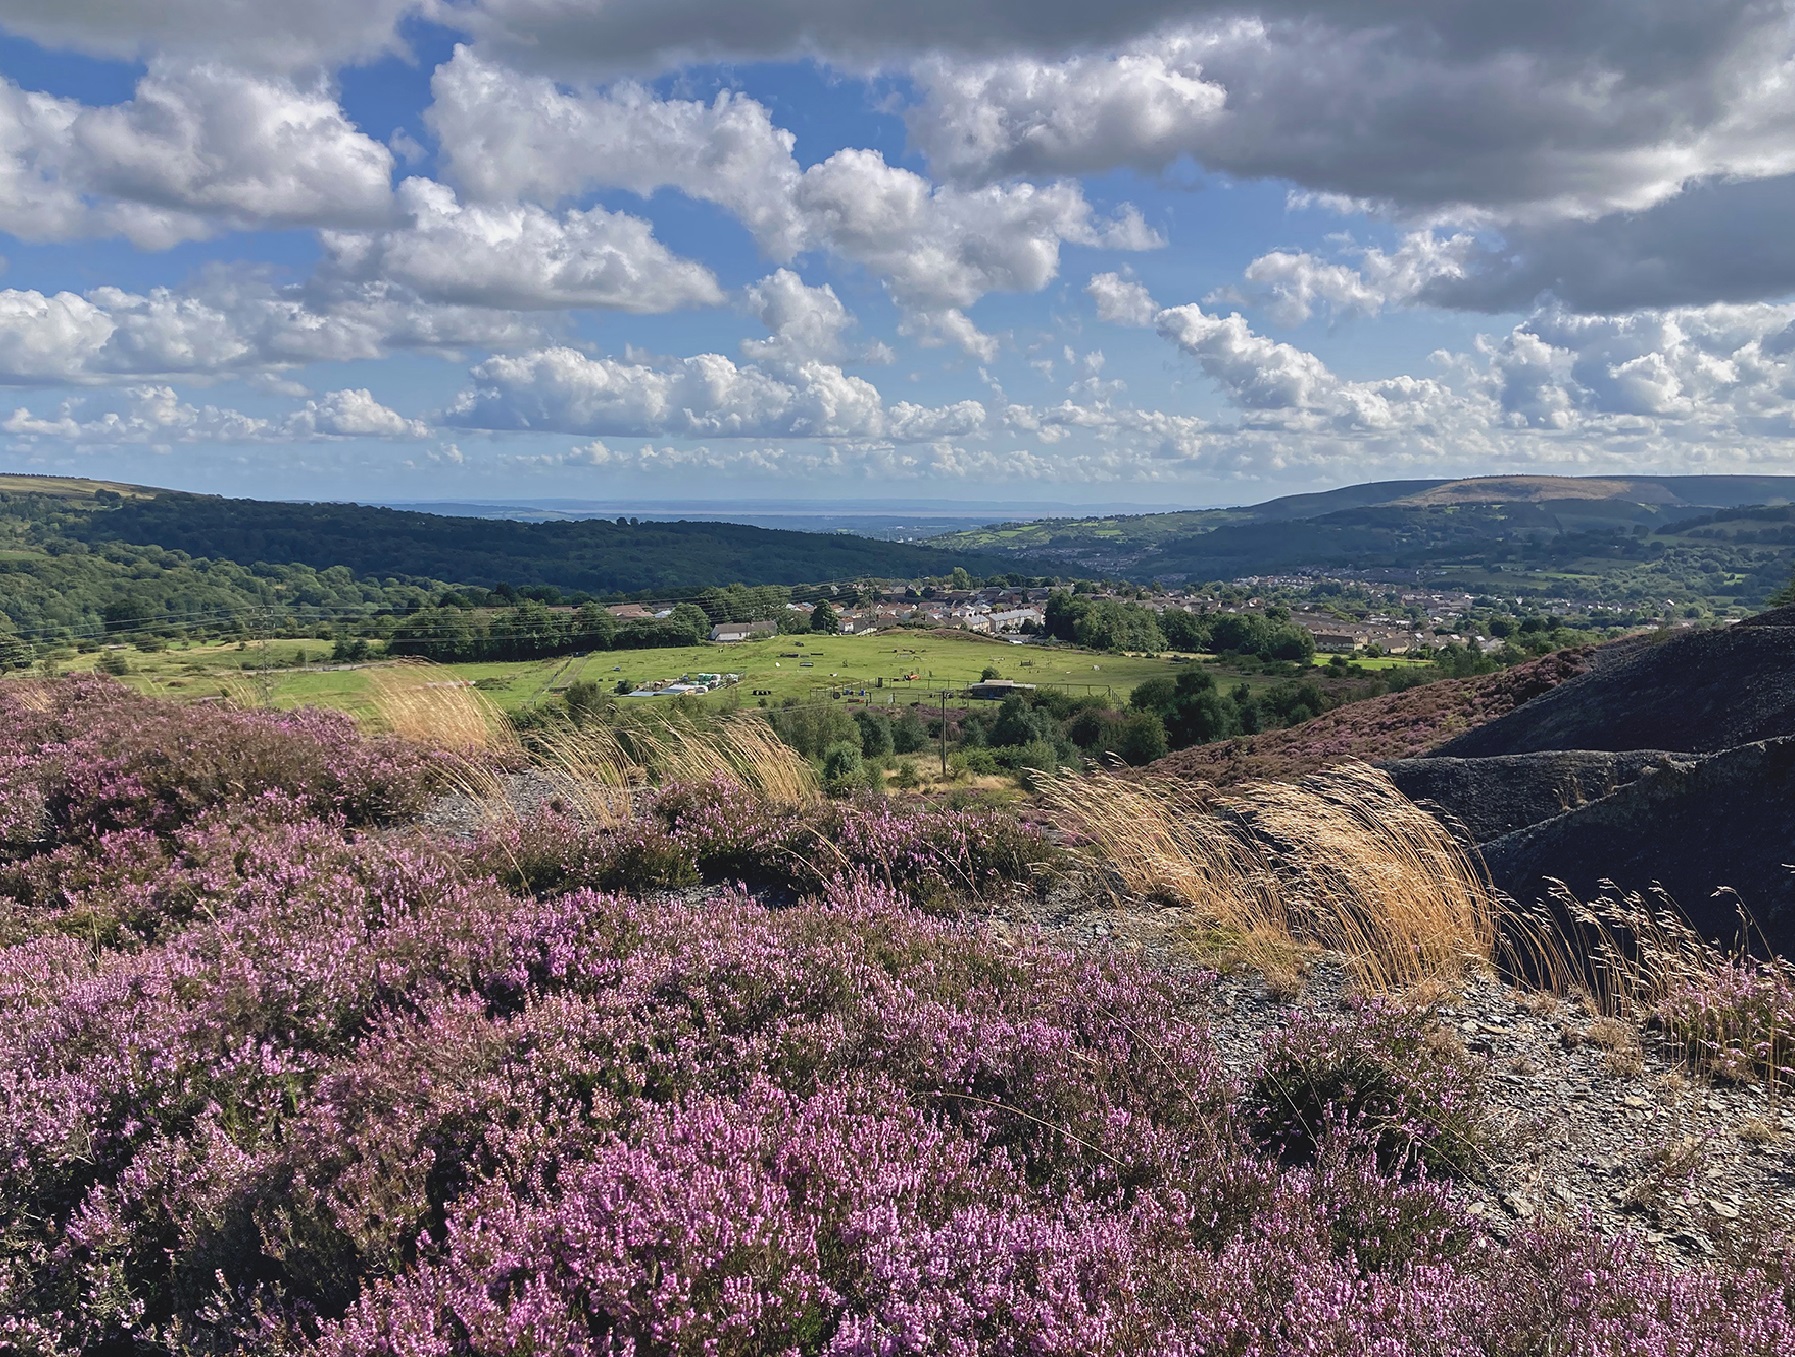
(1005,253)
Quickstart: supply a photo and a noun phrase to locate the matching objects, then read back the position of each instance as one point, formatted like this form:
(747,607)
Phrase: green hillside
(1721,539)
(82,558)
(595,555)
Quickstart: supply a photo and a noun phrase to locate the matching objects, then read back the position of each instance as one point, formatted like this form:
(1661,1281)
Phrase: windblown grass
(742,749)
(428,705)
(1340,861)
(591,770)
(1344,863)
(1634,956)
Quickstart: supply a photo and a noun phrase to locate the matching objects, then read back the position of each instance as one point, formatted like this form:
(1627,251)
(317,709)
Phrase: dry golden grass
(33,695)
(1340,861)
(596,768)
(591,771)
(428,705)
(1758,1131)
(742,749)
(239,692)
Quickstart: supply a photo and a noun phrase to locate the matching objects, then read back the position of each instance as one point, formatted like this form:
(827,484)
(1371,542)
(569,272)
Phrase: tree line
(1120,625)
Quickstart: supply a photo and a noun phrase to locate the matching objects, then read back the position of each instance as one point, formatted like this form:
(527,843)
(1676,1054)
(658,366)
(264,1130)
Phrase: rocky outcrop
(1489,798)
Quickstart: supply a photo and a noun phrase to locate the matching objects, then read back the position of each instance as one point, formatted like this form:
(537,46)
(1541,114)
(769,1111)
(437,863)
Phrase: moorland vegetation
(683,1058)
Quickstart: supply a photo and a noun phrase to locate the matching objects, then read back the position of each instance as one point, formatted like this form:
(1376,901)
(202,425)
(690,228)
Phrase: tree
(594,628)
(1141,739)
(1064,611)
(14,653)
(843,768)
(1020,723)
(1184,630)
(688,622)
(824,618)
(1190,708)
(875,734)
(441,634)
(810,728)
(584,698)
(908,734)
(1119,626)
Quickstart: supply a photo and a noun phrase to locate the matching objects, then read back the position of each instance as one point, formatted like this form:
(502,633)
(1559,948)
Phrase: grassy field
(783,667)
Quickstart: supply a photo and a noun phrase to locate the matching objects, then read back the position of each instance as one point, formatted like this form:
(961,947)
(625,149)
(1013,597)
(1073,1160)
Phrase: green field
(298,673)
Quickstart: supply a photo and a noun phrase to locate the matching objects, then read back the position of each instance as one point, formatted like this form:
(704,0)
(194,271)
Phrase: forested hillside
(56,588)
(1617,540)
(591,555)
(80,560)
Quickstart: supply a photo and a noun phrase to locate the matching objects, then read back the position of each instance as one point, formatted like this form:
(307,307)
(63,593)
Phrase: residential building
(730,632)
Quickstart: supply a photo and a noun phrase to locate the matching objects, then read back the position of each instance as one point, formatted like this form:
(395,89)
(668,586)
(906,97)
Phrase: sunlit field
(298,672)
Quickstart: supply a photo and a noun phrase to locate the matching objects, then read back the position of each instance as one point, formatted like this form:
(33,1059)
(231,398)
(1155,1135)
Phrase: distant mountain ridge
(1479,526)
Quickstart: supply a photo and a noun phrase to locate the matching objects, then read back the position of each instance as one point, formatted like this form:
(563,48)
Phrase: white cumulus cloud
(522,257)
(196,148)
(705,396)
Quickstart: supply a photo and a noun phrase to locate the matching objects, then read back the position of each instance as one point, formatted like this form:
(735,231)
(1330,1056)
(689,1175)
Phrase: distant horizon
(888,510)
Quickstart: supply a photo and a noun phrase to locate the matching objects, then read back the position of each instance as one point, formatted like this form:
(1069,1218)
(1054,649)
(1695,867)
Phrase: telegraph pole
(944,732)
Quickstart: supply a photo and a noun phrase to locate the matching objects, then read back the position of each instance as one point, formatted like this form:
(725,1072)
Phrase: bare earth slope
(1700,692)
(1492,797)
(1693,827)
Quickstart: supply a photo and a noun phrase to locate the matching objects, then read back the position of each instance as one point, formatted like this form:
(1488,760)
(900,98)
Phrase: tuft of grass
(1633,958)
(1341,861)
(428,705)
(743,749)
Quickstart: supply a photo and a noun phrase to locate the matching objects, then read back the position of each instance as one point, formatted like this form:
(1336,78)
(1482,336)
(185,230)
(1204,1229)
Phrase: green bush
(875,734)
(843,768)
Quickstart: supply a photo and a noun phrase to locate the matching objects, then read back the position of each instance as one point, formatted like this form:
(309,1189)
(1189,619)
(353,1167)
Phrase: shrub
(875,734)
(549,853)
(1734,1019)
(321,1091)
(102,758)
(1380,1077)
(843,768)
(908,735)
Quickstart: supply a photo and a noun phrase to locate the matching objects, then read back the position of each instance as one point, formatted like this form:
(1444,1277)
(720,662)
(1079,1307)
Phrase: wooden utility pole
(944,732)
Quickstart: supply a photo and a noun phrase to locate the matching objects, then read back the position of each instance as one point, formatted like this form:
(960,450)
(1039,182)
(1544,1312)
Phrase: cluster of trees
(57,592)
(1110,624)
(533,630)
(848,745)
(1046,729)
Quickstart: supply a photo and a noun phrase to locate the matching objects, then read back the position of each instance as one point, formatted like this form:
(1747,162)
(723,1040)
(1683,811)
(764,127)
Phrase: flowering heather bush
(934,855)
(1380,1076)
(552,853)
(1734,1020)
(270,1085)
(89,756)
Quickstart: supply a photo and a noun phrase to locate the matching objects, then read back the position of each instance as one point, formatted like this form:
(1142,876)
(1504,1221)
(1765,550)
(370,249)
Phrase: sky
(1000,252)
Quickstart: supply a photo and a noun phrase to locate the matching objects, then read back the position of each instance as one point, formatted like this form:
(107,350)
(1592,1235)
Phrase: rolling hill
(1549,534)
(596,556)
